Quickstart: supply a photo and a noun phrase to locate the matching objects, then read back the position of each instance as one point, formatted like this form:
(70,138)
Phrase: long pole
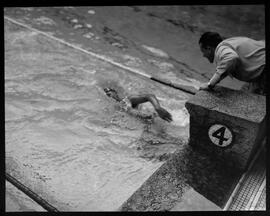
(104,58)
(30,193)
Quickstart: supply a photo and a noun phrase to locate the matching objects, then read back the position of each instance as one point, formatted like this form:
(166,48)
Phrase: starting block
(227,124)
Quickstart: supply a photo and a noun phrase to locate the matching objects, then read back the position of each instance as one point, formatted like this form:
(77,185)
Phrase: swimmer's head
(110,92)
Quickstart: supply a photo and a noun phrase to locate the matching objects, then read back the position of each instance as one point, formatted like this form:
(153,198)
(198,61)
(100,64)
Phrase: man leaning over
(240,57)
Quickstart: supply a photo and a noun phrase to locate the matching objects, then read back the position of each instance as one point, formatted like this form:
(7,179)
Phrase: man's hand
(205,86)
(164,114)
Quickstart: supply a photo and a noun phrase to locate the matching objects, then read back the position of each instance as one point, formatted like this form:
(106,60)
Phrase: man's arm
(227,60)
(135,100)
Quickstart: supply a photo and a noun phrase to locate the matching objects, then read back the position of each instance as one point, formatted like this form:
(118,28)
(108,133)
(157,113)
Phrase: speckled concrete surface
(238,104)
(242,113)
(186,169)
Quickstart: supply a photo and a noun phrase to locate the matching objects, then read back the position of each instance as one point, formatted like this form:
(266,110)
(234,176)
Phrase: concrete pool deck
(188,169)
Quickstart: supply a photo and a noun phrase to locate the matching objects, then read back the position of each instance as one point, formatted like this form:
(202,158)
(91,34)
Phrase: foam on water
(44,20)
(180,118)
(156,52)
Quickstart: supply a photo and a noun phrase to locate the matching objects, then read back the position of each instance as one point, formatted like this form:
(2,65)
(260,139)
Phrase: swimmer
(133,101)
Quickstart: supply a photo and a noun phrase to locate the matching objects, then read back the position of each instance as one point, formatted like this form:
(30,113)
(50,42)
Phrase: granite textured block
(185,170)
(228,124)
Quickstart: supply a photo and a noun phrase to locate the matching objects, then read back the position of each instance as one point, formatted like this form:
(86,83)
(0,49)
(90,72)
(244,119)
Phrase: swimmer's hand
(164,114)
(139,99)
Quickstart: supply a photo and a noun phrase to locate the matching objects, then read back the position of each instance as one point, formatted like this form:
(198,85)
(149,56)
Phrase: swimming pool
(69,142)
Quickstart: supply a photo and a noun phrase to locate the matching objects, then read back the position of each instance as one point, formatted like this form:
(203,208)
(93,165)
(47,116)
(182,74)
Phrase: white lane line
(78,48)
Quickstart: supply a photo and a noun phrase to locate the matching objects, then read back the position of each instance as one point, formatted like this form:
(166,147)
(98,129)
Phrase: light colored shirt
(241,57)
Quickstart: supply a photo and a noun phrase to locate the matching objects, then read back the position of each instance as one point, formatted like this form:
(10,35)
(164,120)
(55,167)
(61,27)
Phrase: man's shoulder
(224,47)
(238,41)
(230,43)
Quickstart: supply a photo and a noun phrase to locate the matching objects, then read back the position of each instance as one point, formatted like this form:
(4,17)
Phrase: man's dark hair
(211,39)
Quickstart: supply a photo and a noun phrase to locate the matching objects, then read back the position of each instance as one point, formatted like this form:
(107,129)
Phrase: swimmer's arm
(135,100)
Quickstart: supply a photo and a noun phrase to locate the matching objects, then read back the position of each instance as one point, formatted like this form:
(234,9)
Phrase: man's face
(208,52)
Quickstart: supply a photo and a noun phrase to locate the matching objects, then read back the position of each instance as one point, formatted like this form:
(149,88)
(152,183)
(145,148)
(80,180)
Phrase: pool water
(68,141)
